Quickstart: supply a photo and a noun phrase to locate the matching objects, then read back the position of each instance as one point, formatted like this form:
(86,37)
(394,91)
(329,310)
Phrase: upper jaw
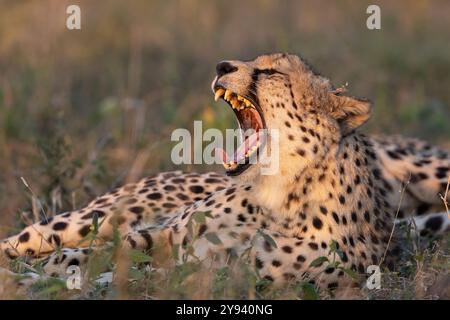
(249,116)
(233,97)
(236,101)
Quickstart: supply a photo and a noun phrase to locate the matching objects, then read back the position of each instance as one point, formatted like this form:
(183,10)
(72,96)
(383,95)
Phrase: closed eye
(269,71)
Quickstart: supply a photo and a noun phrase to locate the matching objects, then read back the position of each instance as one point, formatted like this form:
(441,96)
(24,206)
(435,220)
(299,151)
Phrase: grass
(91,109)
(423,274)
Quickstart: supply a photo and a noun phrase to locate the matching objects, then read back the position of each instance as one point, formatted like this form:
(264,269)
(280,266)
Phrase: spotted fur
(335,187)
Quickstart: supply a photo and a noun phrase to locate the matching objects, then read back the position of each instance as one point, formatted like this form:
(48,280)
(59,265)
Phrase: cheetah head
(281,92)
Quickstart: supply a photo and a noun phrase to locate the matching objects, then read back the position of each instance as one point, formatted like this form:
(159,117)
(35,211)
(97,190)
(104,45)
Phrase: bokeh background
(83,111)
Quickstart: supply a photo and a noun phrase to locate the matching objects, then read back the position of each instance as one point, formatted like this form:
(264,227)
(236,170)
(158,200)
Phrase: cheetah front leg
(73,229)
(149,201)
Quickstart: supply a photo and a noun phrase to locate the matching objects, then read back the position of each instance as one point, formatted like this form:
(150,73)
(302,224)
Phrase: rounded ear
(350,112)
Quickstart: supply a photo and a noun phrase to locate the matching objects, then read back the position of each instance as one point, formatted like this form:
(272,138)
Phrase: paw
(58,263)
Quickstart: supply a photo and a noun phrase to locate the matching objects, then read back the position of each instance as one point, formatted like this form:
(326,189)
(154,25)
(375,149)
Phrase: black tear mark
(255,77)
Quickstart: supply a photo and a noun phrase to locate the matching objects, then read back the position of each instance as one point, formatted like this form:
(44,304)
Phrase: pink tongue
(239,155)
(223,154)
(246,146)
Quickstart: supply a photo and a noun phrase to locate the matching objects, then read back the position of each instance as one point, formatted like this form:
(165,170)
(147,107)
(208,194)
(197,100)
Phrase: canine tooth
(234,104)
(228,93)
(218,94)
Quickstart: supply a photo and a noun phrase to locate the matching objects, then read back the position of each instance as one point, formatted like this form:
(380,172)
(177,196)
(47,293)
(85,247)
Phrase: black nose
(224,67)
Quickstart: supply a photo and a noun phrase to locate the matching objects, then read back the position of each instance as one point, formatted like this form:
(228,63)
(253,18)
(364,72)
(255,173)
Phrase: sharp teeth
(234,104)
(251,151)
(229,164)
(218,94)
(228,93)
(237,102)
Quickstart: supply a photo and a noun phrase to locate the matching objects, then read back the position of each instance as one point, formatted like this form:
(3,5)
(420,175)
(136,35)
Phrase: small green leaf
(268,238)
(189,251)
(262,284)
(135,274)
(117,238)
(137,256)
(334,248)
(213,238)
(95,222)
(189,227)
(309,291)
(175,251)
(200,217)
(318,262)
(351,273)
(208,214)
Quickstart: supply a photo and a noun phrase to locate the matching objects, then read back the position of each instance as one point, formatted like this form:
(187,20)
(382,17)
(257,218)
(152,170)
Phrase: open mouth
(251,122)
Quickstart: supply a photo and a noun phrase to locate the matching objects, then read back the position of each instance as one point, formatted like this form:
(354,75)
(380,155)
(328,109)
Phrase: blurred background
(85,110)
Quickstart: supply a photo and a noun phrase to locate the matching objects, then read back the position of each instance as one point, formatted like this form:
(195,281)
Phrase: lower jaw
(239,170)
(250,161)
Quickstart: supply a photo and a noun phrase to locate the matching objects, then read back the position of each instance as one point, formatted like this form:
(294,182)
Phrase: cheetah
(336,188)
